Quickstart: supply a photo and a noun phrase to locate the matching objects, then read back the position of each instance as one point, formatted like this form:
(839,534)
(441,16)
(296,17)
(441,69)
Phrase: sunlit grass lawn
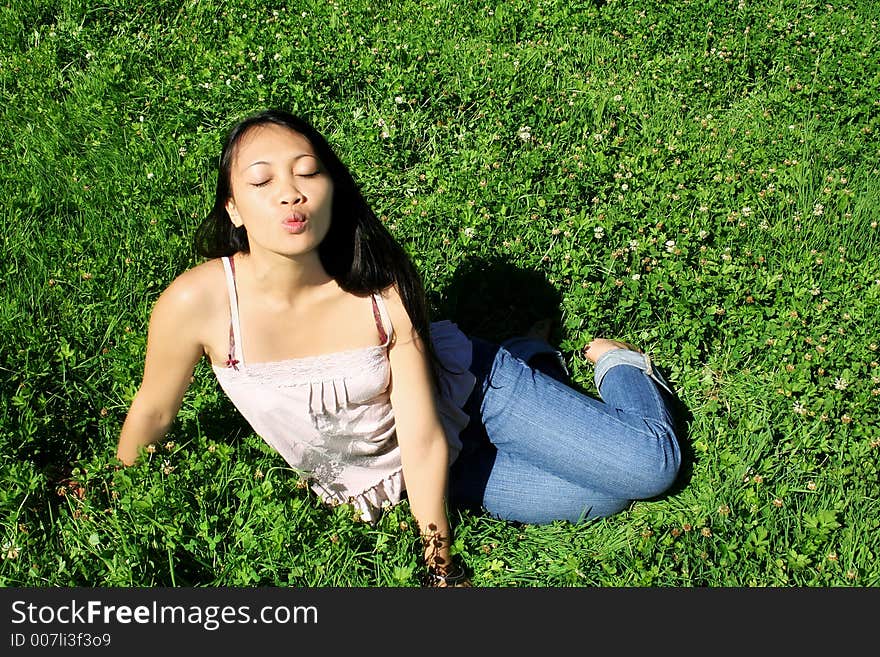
(699,178)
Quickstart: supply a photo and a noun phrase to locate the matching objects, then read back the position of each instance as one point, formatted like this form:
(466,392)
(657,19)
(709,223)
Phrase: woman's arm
(173,349)
(424,450)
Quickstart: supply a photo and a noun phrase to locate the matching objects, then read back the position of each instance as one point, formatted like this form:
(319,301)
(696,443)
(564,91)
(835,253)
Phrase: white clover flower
(841,383)
(746,211)
(799,408)
(10,551)
(399,100)
(818,210)
(524,133)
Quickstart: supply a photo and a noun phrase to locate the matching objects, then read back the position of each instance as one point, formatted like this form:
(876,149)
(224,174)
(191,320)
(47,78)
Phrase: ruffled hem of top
(370,502)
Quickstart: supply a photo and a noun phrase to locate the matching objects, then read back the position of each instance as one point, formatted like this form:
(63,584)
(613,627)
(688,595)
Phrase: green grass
(699,178)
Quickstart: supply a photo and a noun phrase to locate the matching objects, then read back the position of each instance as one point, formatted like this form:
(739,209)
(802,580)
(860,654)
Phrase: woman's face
(280,190)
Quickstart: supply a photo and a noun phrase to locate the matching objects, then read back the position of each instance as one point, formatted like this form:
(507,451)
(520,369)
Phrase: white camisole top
(330,417)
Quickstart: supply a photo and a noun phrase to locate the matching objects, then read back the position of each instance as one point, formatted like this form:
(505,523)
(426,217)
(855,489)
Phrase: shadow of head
(495,300)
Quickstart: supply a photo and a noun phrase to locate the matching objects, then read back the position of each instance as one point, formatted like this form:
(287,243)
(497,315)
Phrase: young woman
(314,321)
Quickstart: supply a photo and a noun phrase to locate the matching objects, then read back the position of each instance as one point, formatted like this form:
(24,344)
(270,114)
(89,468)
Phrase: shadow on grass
(495,300)
(683,420)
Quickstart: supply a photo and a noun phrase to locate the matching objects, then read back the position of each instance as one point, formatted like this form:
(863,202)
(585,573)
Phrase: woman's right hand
(173,349)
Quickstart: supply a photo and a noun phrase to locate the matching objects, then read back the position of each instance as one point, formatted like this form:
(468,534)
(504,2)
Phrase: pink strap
(382,334)
(230,359)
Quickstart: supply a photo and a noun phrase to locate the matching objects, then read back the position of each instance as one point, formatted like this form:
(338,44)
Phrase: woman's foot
(596,348)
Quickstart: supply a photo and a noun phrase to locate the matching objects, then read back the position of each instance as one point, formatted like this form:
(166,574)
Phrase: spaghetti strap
(380,313)
(235,357)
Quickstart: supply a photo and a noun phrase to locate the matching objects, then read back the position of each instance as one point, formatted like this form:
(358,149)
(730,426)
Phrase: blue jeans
(537,450)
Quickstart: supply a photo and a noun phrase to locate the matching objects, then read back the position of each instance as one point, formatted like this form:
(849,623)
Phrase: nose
(291,194)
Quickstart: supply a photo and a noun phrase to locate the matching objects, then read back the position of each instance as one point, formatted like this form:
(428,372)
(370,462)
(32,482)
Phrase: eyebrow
(301,155)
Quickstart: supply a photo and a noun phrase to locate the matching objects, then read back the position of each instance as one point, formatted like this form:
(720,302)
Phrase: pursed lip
(294,218)
(295,223)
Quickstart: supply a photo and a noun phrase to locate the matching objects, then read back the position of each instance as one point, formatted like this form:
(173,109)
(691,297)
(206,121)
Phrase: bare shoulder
(396,308)
(197,292)
(398,314)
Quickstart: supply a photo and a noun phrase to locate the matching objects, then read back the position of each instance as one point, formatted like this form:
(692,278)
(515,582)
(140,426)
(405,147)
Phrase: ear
(233,213)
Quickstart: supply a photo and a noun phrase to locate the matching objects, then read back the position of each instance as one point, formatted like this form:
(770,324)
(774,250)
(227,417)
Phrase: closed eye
(261,184)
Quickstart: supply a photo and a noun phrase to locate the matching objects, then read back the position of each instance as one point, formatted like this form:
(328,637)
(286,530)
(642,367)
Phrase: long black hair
(358,251)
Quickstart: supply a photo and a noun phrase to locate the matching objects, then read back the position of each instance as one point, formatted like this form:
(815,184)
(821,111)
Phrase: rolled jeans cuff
(628,357)
(525,348)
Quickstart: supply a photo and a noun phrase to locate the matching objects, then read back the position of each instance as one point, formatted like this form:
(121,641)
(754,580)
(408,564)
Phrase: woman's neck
(282,279)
